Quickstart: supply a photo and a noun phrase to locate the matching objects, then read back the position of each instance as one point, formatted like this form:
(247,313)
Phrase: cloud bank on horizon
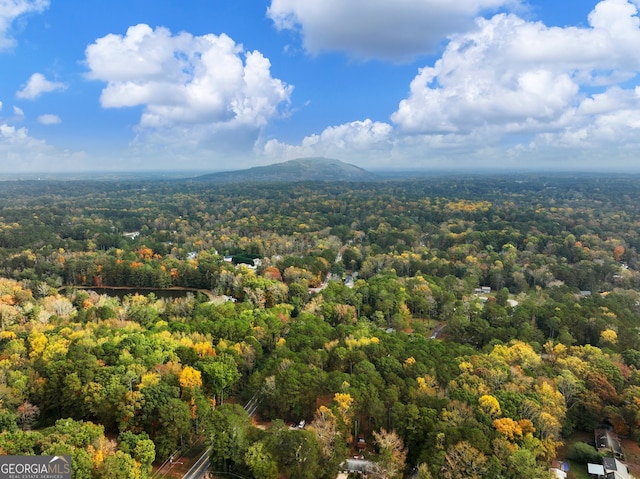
(493,83)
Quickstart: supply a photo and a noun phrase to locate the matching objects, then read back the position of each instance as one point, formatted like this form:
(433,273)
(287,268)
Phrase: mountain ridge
(299,169)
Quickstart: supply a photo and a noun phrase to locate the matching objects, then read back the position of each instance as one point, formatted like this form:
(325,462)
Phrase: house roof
(606,439)
(609,464)
(615,469)
(558,473)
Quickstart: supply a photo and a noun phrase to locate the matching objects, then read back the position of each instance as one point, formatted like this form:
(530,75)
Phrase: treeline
(514,232)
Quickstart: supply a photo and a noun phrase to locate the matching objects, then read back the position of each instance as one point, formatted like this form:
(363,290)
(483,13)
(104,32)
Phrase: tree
(79,434)
(227,431)
(609,336)
(27,414)
(490,405)
(174,431)
(145,453)
(392,454)
(8,421)
(618,251)
(344,401)
(140,447)
(509,428)
(219,374)
(463,461)
(82,463)
(260,462)
(118,466)
(522,463)
(423,472)
(352,259)
(584,453)
(190,378)
(298,453)
(325,426)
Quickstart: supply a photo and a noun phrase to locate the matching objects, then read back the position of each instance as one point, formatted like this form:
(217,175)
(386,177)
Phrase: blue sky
(226,84)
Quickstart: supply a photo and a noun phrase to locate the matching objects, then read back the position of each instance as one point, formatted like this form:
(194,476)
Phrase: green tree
(140,447)
(228,431)
(297,452)
(174,421)
(219,374)
(117,466)
(260,462)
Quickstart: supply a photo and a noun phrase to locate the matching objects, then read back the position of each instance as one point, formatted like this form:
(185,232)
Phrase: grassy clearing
(577,470)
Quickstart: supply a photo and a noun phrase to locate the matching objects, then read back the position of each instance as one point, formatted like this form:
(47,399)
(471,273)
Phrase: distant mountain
(302,169)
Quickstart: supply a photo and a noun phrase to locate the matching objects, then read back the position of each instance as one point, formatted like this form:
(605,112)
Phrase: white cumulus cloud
(509,71)
(513,77)
(183,79)
(198,93)
(397,31)
(609,118)
(515,92)
(37,85)
(12,9)
(356,140)
(21,152)
(49,119)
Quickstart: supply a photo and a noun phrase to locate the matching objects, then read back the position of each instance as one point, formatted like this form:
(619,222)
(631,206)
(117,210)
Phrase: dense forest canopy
(464,326)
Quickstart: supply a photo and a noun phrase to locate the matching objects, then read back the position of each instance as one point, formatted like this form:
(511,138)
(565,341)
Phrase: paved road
(437,331)
(165,467)
(201,466)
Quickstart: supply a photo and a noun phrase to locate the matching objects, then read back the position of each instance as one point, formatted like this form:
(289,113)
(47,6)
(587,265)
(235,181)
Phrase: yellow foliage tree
(352,342)
(149,379)
(609,336)
(490,405)
(508,428)
(527,426)
(518,353)
(551,400)
(7,336)
(548,426)
(427,385)
(344,402)
(56,348)
(410,361)
(38,342)
(190,378)
(204,349)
